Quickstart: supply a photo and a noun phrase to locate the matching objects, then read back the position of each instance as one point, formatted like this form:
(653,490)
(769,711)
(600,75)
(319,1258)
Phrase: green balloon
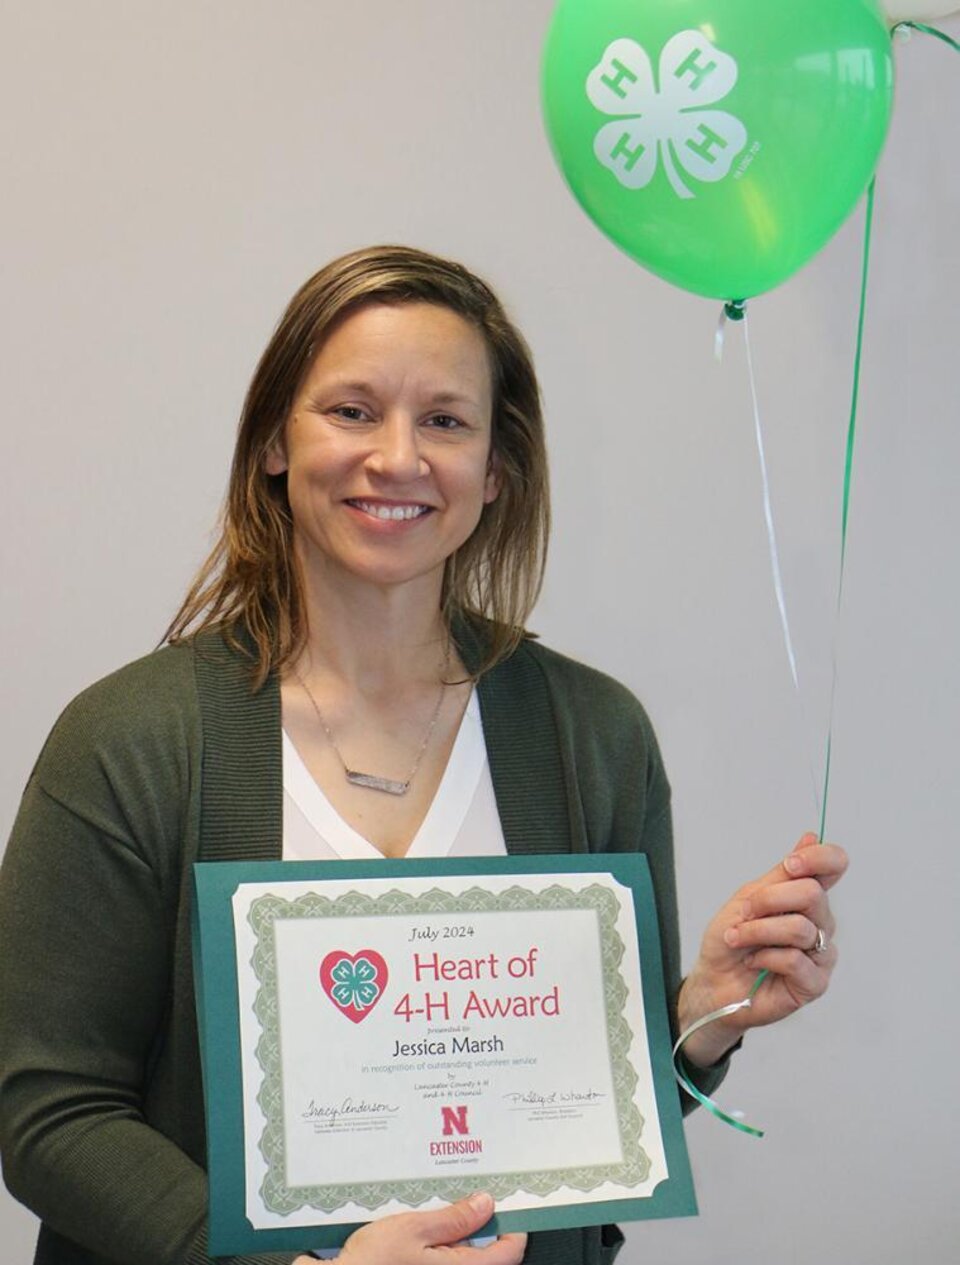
(720,143)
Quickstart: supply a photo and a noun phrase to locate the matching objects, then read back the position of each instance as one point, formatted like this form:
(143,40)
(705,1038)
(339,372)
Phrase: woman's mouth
(390,512)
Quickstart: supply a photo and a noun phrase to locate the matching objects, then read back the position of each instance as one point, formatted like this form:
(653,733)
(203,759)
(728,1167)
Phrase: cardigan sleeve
(86,926)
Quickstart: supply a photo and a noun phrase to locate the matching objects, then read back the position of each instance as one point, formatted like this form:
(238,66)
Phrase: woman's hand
(781,923)
(427,1238)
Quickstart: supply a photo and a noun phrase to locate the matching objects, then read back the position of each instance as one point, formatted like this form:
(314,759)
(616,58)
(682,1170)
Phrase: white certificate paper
(404,1041)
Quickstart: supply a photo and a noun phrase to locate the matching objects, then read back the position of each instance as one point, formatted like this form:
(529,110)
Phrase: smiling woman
(387,449)
(349,676)
(251,575)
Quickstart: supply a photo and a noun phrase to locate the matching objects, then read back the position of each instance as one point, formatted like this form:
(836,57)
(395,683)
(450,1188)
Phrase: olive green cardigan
(174,758)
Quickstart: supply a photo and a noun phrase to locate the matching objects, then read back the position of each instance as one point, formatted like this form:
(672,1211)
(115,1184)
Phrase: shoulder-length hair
(250,585)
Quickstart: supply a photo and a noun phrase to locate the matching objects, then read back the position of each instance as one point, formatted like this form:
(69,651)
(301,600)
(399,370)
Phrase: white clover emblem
(670,122)
(355,983)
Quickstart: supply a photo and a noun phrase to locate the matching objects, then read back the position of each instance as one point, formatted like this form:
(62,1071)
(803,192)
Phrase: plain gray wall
(171,173)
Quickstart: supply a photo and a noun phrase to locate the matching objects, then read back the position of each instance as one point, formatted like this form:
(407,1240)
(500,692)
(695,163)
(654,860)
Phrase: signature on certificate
(553,1098)
(331,1112)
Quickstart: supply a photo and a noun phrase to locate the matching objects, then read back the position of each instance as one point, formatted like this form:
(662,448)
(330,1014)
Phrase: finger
(799,896)
(806,977)
(457,1221)
(806,840)
(786,931)
(779,872)
(823,861)
(826,862)
(508,1250)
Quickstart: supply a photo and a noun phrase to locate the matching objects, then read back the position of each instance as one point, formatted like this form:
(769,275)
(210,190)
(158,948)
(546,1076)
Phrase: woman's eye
(350,412)
(444,421)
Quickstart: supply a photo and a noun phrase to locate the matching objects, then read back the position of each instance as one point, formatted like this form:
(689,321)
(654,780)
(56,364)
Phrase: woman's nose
(396,452)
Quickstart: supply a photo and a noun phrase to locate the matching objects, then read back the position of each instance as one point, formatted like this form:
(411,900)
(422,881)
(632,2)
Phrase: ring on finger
(821,944)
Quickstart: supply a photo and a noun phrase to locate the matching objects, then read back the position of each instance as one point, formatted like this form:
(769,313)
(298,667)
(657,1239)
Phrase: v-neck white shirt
(462,820)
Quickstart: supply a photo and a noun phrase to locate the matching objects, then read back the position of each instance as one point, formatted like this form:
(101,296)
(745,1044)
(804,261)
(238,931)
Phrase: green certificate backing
(215,968)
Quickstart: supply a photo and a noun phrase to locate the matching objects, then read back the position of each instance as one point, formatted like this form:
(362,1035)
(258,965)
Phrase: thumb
(806,840)
(457,1221)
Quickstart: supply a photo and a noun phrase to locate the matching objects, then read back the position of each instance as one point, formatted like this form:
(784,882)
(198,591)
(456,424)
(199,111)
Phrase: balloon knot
(736,309)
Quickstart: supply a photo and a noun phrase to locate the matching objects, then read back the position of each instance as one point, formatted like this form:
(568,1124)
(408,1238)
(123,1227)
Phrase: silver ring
(821,943)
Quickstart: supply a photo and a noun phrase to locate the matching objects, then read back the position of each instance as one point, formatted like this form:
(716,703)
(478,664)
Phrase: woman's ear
(275,458)
(494,480)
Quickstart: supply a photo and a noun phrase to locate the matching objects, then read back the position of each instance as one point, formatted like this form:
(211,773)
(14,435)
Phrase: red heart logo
(354,982)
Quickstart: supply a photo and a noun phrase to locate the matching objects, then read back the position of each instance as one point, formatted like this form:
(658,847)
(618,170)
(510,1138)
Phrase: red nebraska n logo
(454,1120)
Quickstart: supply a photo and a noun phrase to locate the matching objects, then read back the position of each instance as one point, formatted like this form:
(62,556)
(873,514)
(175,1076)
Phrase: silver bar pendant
(374,783)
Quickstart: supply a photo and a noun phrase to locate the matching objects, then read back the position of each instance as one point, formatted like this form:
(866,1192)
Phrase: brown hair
(250,581)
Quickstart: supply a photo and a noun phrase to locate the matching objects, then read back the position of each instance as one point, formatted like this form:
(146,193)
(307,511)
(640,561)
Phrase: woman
(348,676)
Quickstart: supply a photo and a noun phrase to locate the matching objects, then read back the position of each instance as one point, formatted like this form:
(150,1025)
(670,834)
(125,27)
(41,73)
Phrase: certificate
(386,1036)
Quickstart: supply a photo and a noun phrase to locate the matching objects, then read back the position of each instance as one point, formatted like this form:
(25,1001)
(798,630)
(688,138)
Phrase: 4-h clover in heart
(354,982)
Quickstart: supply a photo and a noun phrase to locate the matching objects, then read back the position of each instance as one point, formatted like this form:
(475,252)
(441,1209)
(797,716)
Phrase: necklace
(373,781)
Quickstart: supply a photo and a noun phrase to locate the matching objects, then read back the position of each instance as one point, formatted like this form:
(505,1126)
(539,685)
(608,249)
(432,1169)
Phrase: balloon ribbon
(928,30)
(736,311)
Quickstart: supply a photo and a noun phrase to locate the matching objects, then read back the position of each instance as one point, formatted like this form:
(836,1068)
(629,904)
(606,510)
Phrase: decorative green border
(218,1014)
(632,1171)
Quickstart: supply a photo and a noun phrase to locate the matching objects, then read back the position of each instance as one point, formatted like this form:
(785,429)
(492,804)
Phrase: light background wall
(172,172)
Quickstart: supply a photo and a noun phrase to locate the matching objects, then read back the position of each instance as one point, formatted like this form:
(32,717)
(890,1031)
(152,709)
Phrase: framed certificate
(384,1036)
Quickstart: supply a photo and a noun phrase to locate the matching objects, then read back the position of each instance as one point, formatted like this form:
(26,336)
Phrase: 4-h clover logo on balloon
(671,123)
(354,982)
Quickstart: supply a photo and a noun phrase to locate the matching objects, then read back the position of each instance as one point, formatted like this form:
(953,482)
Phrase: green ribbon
(735,311)
(680,1069)
(851,429)
(847,478)
(928,30)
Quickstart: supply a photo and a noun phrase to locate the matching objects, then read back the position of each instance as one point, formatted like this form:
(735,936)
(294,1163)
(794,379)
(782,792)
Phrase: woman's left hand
(781,923)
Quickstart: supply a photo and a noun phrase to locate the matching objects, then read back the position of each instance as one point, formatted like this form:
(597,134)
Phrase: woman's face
(387,446)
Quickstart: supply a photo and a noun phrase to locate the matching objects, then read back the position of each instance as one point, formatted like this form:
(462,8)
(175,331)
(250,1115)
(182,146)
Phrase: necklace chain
(373,781)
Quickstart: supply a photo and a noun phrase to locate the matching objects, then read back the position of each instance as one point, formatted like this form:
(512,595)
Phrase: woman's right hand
(426,1238)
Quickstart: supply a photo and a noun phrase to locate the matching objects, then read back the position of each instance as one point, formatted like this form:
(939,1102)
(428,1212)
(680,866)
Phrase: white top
(462,820)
